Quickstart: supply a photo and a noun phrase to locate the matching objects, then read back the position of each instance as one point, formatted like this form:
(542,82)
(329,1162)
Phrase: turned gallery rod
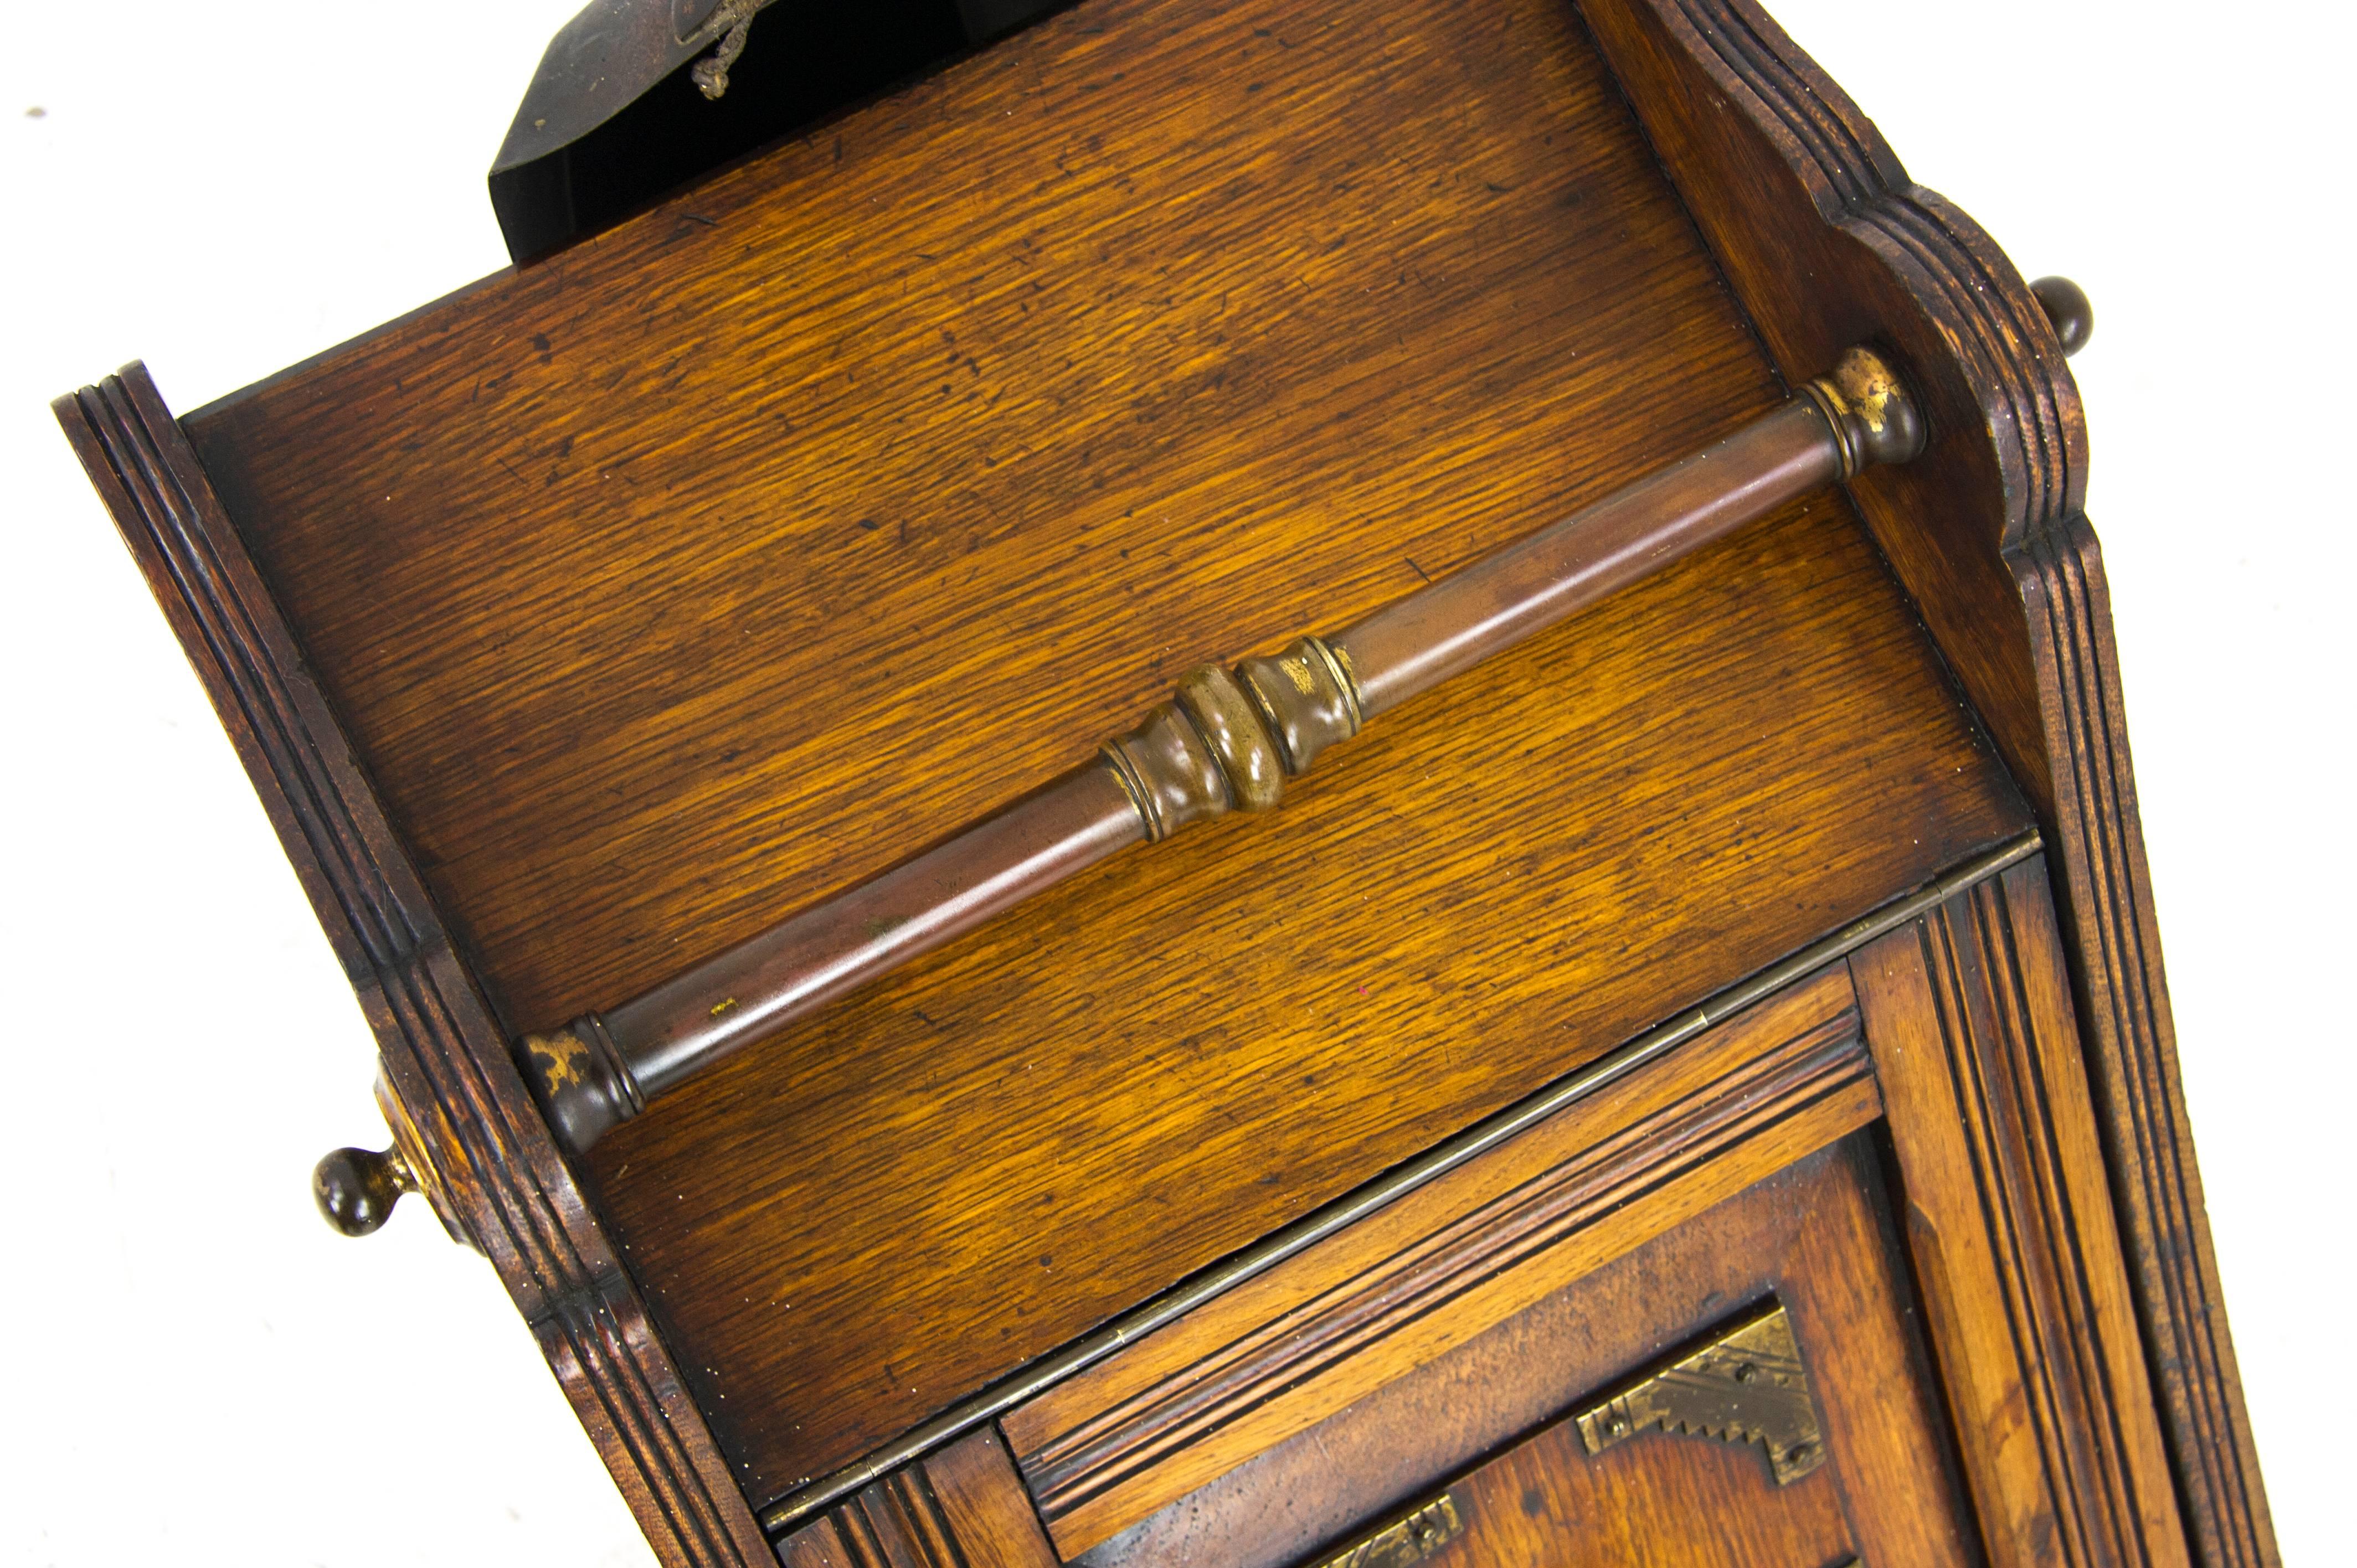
(1226,742)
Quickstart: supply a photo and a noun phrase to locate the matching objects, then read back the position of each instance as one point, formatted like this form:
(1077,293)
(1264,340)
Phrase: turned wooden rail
(1226,741)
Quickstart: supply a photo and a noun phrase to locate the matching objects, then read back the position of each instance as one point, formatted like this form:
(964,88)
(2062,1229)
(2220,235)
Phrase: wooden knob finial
(356,1189)
(2067,306)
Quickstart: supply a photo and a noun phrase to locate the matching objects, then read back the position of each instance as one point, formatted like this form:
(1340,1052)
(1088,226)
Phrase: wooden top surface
(724,560)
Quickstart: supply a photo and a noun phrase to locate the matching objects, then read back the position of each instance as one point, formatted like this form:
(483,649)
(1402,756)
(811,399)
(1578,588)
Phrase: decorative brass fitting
(1406,1541)
(1873,415)
(1226,741)
(1747,1386)
(1308,698)
(580,1080)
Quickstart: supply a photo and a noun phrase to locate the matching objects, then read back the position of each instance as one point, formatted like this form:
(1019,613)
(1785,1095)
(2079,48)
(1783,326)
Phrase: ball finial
(356,1189)
(2066,306)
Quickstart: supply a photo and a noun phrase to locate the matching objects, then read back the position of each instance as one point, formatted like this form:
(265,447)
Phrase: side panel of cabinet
(2010,1220)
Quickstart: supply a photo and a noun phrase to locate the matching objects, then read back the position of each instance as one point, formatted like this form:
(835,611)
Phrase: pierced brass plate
(1746,1386)
(1410,1541)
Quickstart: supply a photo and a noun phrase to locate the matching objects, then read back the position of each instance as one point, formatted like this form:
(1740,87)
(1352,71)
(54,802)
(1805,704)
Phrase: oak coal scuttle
(1692,1083)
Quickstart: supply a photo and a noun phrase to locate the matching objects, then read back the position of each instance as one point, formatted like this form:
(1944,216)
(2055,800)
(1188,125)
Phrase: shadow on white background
(202,1373)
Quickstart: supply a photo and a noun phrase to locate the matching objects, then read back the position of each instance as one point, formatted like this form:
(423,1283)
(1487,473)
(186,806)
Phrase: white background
(200,1372)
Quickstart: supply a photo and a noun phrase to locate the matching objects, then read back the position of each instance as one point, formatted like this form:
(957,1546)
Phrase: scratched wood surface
(718,562)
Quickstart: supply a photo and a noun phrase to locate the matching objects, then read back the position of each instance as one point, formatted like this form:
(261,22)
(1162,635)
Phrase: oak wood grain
(1825,240)
(457,1107)
(1275,1356)
(961,1508)
(2109,926)
(1005,1143)
(868,486)
(1815,1235)
(2009,1222)
(700,571)
(711,566)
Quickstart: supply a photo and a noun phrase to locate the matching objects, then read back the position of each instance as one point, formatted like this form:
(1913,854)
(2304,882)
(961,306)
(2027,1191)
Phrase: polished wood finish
(455,1100)
(602,615)
(977,1121)
(2009,1222)
(2068,310)
(1225,743)
(1826,242)
(1406,649)
(1814,1235)
(690,1020)
(1959,1037)
(1316,1227)
(600,1070)
(1854,416)
(1275,1356)
(961,1508)
(598,705)
(655,686)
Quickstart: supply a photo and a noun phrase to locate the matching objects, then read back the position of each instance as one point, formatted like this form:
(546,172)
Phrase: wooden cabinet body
(1767,946)
(1890,1156)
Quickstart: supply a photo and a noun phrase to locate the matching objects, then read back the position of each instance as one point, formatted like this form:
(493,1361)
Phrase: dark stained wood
(1277,1355)
(1826,242)
(2010,1224)
(2068,310)
(2113,937)
(457,1107)
(961,1508)
(1130,364)
(356,1189)
(1814,1235)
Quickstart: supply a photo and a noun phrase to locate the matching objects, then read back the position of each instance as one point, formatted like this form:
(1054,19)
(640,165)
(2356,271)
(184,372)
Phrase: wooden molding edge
(2010,1227)
(444,1058)
(1599,1180)
(1824,241)
(960,1508)
(1002,1400)
(2114,940)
